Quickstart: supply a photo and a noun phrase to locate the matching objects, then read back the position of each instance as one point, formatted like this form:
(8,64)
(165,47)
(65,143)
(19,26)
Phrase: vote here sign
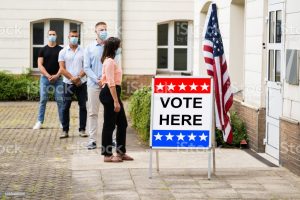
(181,113)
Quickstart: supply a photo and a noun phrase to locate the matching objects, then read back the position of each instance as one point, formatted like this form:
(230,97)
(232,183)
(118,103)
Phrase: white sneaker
(38,125)
(60,126)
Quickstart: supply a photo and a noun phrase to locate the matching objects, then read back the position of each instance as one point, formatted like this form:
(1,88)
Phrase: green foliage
(239,132)
(19,87)
(139,110)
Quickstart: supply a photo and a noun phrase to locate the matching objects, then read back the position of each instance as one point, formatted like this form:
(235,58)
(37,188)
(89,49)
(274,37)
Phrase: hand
(54,78)
(99,83)
(117,106)
(49,77)
(76,80)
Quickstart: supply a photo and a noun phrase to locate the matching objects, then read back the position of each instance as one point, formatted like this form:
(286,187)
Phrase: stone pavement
(36,164)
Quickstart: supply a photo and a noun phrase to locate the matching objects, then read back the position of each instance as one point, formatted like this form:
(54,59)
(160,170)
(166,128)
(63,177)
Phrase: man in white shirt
(71,64)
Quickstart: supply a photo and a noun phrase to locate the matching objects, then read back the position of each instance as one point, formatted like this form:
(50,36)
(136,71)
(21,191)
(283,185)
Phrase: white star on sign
(192,137)
(204,87)
(193,87)
(158,136)
(180,137)
(182,86)
(169,137)
(203,137)
(160,86)
(171,86)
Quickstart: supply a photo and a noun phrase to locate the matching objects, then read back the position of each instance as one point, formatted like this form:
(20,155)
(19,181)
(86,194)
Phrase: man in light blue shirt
(93,70)
(71,64)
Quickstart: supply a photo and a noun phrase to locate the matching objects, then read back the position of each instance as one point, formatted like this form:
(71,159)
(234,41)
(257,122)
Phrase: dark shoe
(83,134)
(91,145)
(64,134)
(125,157)
(112,159)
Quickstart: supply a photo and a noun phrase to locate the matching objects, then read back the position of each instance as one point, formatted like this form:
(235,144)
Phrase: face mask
(118,51)
(102,35)
(52,38)
(74,40)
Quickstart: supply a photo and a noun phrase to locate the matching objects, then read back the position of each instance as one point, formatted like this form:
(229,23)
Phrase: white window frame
(171,47)
(46,28)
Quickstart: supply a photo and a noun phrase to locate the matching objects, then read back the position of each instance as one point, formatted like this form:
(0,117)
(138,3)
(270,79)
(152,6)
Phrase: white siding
(140,19)
(291,94)
(15,46)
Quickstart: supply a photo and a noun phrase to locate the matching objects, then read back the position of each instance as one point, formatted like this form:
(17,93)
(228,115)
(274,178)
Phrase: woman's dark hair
(110,47)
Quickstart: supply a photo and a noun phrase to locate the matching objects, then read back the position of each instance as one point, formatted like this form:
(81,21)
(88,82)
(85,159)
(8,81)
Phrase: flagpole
(213,129)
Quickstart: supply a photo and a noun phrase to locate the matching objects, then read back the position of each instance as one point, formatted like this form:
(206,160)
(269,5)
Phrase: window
(174,46)
(40,34)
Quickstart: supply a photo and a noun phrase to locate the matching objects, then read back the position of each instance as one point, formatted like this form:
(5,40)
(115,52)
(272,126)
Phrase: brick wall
(255,120)
(290,145)
(133,82)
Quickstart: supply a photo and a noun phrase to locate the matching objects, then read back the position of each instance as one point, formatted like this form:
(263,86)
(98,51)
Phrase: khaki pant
(93,111)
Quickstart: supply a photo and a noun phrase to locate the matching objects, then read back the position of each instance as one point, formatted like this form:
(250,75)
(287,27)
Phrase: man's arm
(64,71)
(42,68)
(87,66)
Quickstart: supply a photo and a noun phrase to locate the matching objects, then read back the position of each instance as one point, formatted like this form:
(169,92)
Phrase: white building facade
(262,42)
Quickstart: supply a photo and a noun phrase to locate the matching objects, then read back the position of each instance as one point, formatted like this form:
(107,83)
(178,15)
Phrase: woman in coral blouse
(114,114)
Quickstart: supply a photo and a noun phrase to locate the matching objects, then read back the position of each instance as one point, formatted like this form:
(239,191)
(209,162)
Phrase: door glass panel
(278,65)
(278,26)
(271,26)
(180,33)
(38,33)
(271,65)
(180,59)
(162,34)
(58,26)
(162,58)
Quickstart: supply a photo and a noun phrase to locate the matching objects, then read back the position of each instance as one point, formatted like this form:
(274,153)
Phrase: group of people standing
(92,75)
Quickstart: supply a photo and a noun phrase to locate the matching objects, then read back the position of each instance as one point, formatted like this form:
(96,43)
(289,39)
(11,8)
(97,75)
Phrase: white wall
(291,93)
(140,19)
(250,79)
(16,16)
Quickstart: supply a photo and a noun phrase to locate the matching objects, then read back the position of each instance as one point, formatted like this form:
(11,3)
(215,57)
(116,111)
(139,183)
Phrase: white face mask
(102,35)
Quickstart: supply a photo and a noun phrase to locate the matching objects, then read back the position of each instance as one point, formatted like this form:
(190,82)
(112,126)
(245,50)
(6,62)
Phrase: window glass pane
(162,58)
(278,26)
(278,66)
(180,33)
(271,65)
(35,56)
(162,34)
(180,59)
(58,26)
(75,26)
(38,33)
(271,26)
(292,69)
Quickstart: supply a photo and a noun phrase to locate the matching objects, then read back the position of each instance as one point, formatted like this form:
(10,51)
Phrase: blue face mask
(74,40)
(102,35)
(52,38)
(118,51)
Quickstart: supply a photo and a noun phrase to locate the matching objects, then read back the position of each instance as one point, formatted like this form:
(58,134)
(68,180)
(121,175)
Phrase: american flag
(217,68)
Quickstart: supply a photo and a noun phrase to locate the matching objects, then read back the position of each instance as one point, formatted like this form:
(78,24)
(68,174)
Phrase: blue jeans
(45,87)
